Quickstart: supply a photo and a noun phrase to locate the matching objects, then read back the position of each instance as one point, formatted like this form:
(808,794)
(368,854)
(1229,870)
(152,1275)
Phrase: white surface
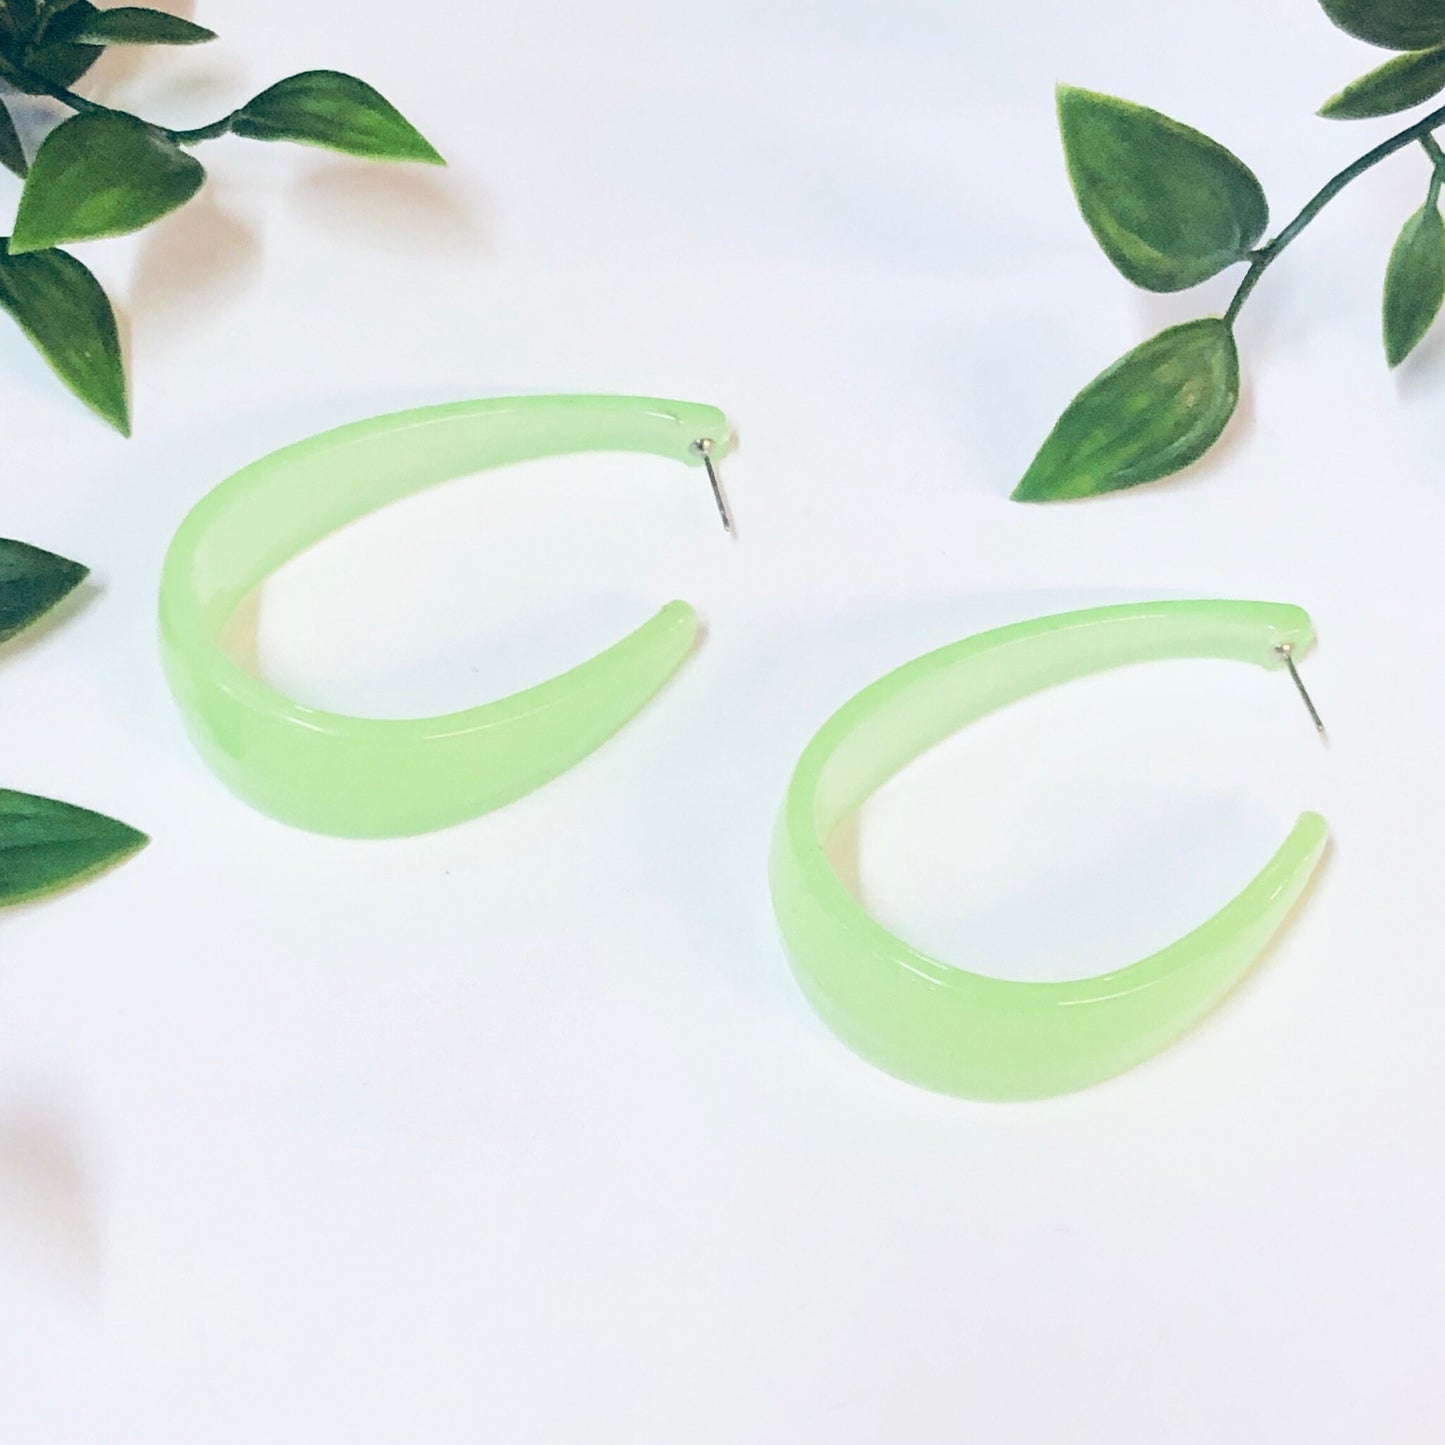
(522,1132)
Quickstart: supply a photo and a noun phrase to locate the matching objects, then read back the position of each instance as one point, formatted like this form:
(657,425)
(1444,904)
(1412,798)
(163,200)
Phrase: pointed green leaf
(1394,24)
(12,153)
(1414,282)
(135,25)
(60,306)
(1153,412)
(101,175)
(17,17)
(32,581)
(63,63)
(46,845)
(1169,206)
(1396,85)
(327,108)
(54,54)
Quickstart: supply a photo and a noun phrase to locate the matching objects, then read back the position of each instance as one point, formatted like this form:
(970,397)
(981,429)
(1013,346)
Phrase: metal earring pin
(1286,651)
(703,448)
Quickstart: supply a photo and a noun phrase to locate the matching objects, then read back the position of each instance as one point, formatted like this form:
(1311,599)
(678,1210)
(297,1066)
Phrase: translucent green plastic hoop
(989,1038)
(365,777)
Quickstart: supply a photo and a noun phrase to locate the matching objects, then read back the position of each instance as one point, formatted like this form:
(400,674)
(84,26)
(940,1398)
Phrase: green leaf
(46,845)
(1169,206)
(1395,24)
(1414,281)
(135,25)
(1396,85)
(54,54)
(327,108)
(1152,413)
(60,306)
(32,581)
(101,175)
(38,43)
(12,153)
(18,17)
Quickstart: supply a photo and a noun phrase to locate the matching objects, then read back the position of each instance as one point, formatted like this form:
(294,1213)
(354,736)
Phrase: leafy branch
(46,845)
(1171,208)
(105,172)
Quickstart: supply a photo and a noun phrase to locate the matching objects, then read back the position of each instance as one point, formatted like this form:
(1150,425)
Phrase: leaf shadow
(49,1198)
(197,262)
(388,207)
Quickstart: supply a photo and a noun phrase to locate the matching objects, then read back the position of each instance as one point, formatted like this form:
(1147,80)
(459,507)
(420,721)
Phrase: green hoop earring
(988,1038)
(364,777)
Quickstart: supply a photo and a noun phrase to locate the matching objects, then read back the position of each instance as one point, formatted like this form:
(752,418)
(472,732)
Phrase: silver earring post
(1286,651)
(703,447)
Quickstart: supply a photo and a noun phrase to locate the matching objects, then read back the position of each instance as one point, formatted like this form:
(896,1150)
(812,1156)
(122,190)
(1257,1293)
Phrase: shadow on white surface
(388,207)
(192,266)
(49,1191)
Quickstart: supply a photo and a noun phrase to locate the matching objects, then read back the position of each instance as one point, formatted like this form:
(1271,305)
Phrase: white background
(522,1131)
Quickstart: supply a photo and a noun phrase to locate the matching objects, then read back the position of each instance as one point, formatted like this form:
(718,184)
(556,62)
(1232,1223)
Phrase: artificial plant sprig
(105,172)
(1171,208)
(47,845)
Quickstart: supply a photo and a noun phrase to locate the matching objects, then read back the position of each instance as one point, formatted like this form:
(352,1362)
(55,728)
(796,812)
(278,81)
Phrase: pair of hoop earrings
(942,1027)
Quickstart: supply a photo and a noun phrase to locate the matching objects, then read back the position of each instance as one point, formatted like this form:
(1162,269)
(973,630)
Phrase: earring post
(703,447)
(1286,651)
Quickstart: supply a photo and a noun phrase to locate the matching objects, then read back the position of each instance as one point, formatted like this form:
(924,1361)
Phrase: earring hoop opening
(367,777)
(969,1034)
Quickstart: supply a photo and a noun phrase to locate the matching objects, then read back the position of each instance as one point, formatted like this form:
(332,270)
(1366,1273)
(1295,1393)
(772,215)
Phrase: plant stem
(1431,147)
(1265,257)
(37,85)
(201,132)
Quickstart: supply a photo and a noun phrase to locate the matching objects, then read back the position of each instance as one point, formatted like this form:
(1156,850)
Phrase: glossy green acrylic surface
(966,1033)
(364,777)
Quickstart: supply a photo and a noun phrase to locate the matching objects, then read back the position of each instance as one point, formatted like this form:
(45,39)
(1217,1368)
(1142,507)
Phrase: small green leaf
(60,306)
(54,55)
(1153,412)
(327,108)
(18,17)
(1414,282)
(1396,85)
(101,175)
(46,845)
(12,153)
(135,25)
(1169,206)
(1394,24)
(32,581)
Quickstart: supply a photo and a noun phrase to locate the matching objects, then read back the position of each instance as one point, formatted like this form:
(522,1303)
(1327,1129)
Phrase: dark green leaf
(1414,282)
(1152,413)
(1169,206)
(60,306)
(18,17)
(134,25)
(32,581)
(46,846)
(12,153)
(326,108)
(1395,24)
(1396,85)
(101,175)
(40,44)
(62,61)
